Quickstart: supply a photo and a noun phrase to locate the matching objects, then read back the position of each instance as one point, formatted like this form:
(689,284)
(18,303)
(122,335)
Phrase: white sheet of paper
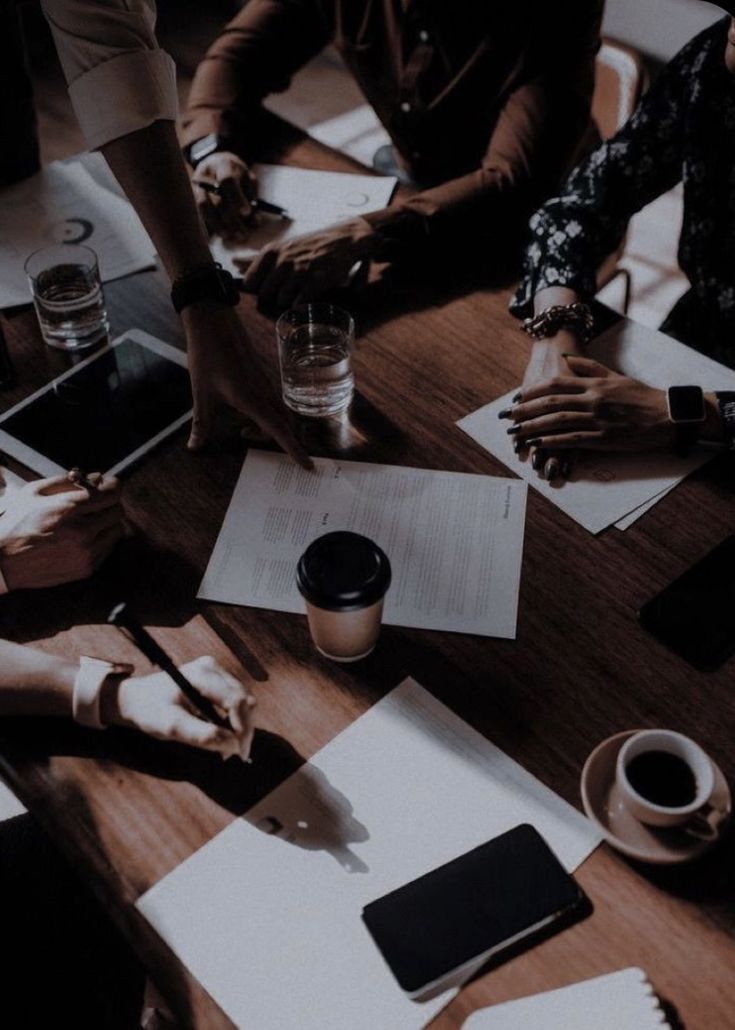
(314,200)
(64,204)
(267,914)
(454,540)
(604,488)
(617,1001)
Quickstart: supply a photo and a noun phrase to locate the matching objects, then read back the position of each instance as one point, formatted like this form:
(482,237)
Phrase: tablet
(105,413)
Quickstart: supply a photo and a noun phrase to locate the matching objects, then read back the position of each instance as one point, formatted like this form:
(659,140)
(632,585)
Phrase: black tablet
(105,413)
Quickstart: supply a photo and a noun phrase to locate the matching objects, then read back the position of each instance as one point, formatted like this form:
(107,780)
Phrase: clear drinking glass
(67,294)
(314,345)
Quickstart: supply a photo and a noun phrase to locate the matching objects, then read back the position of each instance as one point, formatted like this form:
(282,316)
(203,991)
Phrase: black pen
(257,203)
(126,623)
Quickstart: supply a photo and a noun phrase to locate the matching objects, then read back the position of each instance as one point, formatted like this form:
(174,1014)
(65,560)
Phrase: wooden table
(127,811)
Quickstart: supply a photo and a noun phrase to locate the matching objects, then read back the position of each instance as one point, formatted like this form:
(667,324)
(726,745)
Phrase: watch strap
(210,282)
(90,680)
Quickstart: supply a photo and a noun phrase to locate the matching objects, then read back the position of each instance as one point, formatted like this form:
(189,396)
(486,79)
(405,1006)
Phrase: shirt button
(405,107)
(424,36)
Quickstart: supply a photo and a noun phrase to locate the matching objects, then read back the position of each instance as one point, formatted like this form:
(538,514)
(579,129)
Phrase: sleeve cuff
(124,94)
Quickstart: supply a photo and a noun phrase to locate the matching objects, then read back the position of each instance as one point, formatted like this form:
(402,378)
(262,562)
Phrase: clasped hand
(590,408)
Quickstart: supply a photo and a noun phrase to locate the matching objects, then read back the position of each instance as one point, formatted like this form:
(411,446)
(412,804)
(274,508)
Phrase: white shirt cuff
(124,94)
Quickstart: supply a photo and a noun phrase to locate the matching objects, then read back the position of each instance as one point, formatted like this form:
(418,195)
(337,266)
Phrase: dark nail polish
(552,472)
(516,397)
(565,469)
(518,446)
(514,430)
(533,443)
(538,460)
(505,413)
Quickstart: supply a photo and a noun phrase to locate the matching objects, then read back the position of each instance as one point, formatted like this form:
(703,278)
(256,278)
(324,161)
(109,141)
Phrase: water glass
(314,344)
(67,294)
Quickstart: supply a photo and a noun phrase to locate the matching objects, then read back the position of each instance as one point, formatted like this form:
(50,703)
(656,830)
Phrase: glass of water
(314,344)
(67,294)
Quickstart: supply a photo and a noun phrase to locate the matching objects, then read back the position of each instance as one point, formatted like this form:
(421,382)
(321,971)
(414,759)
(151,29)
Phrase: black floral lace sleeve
(574,232)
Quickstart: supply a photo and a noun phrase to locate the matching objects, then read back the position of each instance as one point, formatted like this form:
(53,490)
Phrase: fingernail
(552,472)
(518,446)
(513,430)
(565,468)
(536,442)
(537,461)
(505,413)
(516,397)
(568,354)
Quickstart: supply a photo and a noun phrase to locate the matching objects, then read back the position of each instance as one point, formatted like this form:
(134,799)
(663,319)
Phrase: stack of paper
(618,1001)
(267,915)
(607,488)
(64,204)
(454,540)
(314,200)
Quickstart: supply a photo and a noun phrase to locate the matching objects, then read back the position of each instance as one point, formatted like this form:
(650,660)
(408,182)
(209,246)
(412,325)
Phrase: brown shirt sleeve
(533,144)
(256,54)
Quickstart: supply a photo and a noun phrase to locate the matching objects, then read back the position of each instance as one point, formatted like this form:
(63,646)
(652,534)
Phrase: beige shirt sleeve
(119,78)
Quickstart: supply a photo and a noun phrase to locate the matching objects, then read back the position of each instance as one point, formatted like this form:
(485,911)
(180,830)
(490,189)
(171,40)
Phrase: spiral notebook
(618,1001)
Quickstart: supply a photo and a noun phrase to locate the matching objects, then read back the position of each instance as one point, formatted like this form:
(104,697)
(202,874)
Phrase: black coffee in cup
(662,778)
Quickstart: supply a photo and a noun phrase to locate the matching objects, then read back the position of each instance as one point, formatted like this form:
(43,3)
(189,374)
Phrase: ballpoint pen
(257,203)
(7,372)
(128,624)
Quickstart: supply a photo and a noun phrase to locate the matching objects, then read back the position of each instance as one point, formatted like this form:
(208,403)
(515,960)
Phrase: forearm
(34,683)
(149,167)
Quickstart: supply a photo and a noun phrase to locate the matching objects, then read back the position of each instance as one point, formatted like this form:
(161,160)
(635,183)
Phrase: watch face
(686,404)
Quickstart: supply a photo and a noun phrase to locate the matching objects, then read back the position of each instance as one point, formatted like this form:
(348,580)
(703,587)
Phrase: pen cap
(343,572)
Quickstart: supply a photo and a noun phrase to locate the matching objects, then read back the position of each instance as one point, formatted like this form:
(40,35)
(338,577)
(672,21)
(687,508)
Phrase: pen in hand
(257,203)
(121,617)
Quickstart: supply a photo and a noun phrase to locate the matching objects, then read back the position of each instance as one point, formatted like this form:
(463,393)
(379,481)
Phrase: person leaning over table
(486,106)
(683,130)
(123,89)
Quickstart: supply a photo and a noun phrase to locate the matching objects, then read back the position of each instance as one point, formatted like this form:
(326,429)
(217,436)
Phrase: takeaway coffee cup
(665,779)
(343,578)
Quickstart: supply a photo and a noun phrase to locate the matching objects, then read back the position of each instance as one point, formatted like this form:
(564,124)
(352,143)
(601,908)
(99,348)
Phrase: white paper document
(64,204)
(605,488)
(314,200)
(617,1001)
(454,540)
(267,915)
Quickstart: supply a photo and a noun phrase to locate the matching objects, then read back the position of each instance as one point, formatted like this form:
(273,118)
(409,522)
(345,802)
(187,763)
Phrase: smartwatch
(210,282)
(201,148)
(93,676)
(687,412)
(726,404)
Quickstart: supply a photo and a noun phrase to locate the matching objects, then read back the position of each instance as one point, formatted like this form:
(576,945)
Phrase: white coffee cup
(697,816)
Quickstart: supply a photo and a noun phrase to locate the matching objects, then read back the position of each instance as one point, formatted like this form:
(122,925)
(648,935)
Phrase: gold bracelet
(576,317)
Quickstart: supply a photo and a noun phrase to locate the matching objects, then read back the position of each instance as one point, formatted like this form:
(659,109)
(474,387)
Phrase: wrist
(562,342)
(113,702)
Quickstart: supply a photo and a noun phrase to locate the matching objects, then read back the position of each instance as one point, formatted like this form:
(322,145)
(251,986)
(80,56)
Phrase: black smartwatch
(726,404)
(201,148)
(688,413)
(210,282)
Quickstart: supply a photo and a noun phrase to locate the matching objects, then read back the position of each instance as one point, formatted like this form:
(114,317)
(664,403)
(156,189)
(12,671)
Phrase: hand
(229,211)
(306,267)
(155,706)
(224,368)
(54,532)
(548,360)
(593,408)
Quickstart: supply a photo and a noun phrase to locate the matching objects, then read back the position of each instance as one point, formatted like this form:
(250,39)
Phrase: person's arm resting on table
(33,683)
(567,401)
(123,89)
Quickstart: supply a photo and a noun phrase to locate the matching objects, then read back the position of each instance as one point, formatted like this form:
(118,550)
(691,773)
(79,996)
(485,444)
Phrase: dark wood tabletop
(128,811)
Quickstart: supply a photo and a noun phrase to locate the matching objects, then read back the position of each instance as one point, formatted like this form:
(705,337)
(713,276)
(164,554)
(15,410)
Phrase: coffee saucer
(604,807)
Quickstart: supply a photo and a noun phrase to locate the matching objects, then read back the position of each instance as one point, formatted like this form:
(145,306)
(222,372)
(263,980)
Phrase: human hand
(225,369)
(593,408)
(54,532)
(154,705)
(304,268)
(548,360)
(229,210)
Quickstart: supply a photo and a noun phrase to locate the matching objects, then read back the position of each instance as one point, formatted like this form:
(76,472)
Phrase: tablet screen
(108,411)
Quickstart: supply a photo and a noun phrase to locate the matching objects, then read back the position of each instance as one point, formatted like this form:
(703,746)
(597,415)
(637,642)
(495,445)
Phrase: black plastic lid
(343,572)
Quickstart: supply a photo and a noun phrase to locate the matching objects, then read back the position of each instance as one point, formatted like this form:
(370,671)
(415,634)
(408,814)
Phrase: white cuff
(88,688)
(124,94)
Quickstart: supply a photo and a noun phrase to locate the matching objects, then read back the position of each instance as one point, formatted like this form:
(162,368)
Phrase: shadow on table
(363,432)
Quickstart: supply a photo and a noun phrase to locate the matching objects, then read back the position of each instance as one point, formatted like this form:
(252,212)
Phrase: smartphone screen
(695,615)
(453,919)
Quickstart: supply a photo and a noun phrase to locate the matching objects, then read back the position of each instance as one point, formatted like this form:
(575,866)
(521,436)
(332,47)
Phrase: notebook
(618,1001)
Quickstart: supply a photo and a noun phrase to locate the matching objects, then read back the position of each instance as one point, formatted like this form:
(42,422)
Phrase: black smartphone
(695,615)
(442,927)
